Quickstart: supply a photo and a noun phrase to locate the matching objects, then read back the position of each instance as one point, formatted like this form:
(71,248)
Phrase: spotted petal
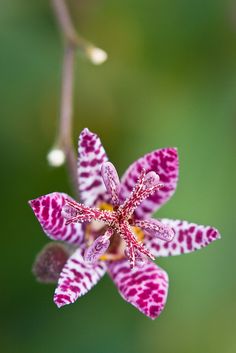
(164,162)
(144,287)
(91,157)
(188,237)
(77,278)
(48,210)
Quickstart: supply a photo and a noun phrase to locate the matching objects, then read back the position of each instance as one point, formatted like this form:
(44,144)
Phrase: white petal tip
(97,56)
(61,302)
(218,235)
(60,305)
(86,131)
(56,157)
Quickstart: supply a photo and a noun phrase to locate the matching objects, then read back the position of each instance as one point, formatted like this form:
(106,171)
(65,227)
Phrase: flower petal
(77,278)
(188,237)
(48,210)
(164,162)
(144,287)
(91,157)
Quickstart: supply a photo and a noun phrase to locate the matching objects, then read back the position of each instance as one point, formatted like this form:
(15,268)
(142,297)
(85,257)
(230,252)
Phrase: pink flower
(112,230)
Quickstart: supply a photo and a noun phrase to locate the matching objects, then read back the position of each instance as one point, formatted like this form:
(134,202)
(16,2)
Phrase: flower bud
(49,262)
(96,55)
(56,157)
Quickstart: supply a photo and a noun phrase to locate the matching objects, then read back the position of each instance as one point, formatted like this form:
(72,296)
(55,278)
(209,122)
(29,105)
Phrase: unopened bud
(49,262)
(56,157)
(96,55)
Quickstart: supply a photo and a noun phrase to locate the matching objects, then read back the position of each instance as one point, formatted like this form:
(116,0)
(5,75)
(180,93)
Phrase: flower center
(116,249)
(118,219)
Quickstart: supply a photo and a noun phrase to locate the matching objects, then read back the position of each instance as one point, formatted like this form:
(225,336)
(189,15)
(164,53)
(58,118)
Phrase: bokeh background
(170,81)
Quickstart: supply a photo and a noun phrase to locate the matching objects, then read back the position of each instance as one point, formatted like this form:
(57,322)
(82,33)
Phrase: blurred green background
(170,81)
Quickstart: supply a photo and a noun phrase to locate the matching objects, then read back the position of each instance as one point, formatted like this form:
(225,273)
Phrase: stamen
(99,247)
(156,228)
(111,181)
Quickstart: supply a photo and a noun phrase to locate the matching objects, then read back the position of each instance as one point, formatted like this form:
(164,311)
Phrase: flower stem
(63,149)
(67,28)
(66,113)
(64,135)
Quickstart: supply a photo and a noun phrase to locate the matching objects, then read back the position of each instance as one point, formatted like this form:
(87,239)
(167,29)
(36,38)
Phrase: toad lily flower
(112,230)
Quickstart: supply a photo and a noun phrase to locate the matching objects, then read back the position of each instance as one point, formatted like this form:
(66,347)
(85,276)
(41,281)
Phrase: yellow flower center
(116,249)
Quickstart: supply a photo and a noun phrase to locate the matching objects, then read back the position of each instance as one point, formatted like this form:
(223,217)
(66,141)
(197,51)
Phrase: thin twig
(96,55)
(66,114)
(64,139)
(63,148)
(66,25)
